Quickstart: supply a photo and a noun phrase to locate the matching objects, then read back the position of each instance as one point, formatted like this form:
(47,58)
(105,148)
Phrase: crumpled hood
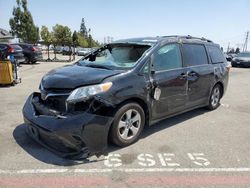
(73,76)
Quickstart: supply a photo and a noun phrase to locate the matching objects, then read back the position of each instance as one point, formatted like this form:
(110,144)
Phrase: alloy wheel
(129,124)
(215,98)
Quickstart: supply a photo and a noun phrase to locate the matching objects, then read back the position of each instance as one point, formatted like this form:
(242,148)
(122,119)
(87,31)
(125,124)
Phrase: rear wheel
(27,60)
(128,124)
(214,101)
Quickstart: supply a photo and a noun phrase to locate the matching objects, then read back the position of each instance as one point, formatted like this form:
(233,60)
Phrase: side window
(216,54)
(167,57)
(194,54)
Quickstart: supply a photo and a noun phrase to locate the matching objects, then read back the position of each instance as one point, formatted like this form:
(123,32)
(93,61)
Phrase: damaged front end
(74,130)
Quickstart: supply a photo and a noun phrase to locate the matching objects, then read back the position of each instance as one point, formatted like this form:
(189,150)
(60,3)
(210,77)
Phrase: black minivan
(114,92)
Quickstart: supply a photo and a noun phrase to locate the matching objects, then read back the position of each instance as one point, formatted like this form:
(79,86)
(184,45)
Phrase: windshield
(244,54)
(116,56)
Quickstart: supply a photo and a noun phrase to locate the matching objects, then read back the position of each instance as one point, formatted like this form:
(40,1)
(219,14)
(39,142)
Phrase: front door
(169,81)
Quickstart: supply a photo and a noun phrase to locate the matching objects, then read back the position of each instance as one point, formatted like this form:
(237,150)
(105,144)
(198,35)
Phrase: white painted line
(41,171)
(187,170)
(93,170)
(128,170)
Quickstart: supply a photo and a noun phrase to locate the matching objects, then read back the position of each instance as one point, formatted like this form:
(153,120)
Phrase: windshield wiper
(98,66)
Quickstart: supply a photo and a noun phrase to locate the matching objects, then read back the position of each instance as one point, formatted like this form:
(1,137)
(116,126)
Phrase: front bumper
(73,135)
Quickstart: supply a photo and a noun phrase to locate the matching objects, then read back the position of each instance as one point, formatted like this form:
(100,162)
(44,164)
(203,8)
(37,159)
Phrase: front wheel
(214,100)
(128,124)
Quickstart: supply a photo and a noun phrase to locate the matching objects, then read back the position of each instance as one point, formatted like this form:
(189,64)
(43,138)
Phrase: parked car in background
(32,53)
(232,55)
(242,59)
(67,50)
(136,83)
(228,58)
(15,50)
(58,49)
(82,51)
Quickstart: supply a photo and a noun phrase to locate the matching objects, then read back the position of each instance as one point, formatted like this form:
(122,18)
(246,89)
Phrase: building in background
(5,35)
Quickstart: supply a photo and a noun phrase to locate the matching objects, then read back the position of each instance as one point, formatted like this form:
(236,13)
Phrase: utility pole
(228,47)
(246,42)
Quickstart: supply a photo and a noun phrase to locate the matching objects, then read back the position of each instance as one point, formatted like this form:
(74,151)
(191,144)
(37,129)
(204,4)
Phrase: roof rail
(189,37)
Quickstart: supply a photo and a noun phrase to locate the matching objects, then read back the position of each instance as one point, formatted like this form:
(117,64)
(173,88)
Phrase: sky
(222,21)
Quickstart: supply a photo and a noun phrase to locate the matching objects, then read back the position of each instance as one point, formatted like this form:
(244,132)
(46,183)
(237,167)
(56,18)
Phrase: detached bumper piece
(74,136)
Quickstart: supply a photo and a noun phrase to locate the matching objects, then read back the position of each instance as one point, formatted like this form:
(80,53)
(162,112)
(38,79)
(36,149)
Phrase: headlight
(82,93)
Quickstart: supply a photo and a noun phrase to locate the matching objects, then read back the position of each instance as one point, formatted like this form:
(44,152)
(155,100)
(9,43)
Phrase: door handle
(183,76)
(192,74)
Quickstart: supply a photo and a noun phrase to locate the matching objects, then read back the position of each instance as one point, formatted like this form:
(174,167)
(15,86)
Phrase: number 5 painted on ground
(199,159)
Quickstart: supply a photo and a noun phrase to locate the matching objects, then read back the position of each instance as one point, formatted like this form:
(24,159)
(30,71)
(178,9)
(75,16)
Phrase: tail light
(34,49)
(11,49)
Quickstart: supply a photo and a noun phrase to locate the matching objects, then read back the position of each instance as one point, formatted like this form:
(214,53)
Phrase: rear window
(194,54)
(16,47)
(2,46)
(216,54)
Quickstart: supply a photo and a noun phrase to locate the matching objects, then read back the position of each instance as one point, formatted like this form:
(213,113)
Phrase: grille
(56,103)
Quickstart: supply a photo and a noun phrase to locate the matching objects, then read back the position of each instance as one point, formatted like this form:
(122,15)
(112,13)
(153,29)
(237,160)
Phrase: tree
(83,28)
(46,37)
(90,41)
(22,24)
(62,35)
(54,43)
(75,39)
(232,51)
(74,42)
(237,50)
(82,41)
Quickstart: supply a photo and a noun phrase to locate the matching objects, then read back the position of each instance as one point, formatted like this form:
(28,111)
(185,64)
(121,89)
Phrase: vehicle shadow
(40,153)
(28,64)
(169,122)
(164,124)
(6,86)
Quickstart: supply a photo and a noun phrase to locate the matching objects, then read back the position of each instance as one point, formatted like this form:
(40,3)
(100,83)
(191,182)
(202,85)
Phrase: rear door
(169,81)
(200,74)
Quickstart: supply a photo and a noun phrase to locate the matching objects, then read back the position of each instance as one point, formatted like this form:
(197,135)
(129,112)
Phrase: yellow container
(6,72)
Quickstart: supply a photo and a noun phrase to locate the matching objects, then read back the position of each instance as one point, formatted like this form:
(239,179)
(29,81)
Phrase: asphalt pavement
(196,149)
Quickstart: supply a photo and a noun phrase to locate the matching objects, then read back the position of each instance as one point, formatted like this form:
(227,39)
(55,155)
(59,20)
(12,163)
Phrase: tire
(215,96)
(128,124)
(27,60)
